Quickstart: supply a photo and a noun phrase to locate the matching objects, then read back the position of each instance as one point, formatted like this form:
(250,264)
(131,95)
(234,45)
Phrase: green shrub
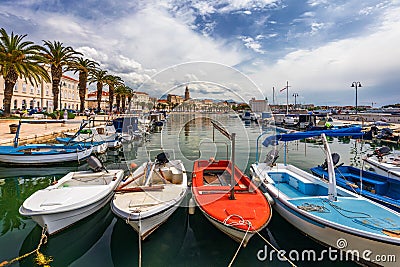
(71,115)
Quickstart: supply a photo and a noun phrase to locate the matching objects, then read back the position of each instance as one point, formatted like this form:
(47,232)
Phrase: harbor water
(183,240)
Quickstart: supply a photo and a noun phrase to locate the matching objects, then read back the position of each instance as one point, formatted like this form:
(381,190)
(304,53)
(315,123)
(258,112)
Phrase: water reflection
(13,191)
(70,244)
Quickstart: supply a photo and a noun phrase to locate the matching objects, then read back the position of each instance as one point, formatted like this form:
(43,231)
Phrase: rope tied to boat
(40,258)
(241,221)
(313,207)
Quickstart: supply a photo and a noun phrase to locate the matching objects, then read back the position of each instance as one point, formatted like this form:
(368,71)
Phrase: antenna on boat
(332,192)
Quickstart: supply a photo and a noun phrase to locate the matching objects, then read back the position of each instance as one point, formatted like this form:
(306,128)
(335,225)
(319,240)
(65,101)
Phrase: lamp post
(61,84)
(295,97)
(356,85)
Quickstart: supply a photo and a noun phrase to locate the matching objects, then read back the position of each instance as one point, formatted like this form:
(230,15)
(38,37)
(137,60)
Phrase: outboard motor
(380,152)
(95,164)
(335,159)
(162,158)
(271,157)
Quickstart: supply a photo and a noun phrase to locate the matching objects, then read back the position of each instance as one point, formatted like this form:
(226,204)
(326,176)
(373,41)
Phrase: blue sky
(319,46)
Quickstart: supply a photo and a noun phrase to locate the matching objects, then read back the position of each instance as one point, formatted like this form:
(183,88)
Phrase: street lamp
(61,84)
(356,85)
(295,96)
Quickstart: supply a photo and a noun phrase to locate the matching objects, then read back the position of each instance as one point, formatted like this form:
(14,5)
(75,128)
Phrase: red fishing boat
(229,199)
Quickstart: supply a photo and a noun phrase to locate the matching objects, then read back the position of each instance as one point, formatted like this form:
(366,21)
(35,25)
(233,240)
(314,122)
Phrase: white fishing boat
(364,230)
(72,198)
(384,162)
(95,134)
(151,194)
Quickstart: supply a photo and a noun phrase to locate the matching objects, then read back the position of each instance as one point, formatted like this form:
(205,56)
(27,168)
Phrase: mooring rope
(269,243)
(240,222)
(40,259)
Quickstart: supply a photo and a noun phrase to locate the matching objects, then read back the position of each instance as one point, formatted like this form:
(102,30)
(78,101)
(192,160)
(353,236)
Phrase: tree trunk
(10,81)
(123,100)
(118,100)
(56,74)
(99,95)
(82,89)
(111,96)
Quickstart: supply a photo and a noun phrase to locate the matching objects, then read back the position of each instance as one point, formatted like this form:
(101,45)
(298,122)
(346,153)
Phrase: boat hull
(147,225)
(382,169)
(337,239)
(58,221)
(41,159)
(234,233)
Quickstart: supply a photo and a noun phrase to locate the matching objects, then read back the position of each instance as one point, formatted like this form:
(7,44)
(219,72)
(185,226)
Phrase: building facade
(258,105)
(40,96)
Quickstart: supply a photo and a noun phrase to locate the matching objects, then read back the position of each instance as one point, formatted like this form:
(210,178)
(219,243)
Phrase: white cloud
(371,59)
(252,43)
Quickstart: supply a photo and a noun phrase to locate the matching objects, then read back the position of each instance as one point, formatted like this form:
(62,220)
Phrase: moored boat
(151,194)
(334,216)
(43,154)
(72,198)
(384,162)
(241,216)
(379,188)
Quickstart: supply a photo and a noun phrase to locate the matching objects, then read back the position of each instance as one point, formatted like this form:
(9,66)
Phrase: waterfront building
(174,99)
(91,100)
(258,105)
(40,96)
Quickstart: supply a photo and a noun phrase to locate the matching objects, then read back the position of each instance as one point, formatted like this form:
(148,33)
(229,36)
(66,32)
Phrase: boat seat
(380,187)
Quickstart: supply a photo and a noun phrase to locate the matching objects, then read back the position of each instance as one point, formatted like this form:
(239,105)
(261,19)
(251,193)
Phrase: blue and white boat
(96,135)
(42,154)
(334,216)
(377,187)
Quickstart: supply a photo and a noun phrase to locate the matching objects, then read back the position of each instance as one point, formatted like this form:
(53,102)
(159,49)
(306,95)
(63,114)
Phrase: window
(32,90)
(47,90)
(15,87)
(39,89)
(24,88)
(23,105)
(15,104)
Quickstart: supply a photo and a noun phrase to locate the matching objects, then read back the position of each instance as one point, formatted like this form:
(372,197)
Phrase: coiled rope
(40,259)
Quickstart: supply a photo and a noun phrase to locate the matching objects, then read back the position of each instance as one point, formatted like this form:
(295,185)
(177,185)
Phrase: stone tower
(187,94)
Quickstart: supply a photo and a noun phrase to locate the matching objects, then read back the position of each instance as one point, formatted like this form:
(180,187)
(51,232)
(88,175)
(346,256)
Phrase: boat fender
(270,200)
(192,206)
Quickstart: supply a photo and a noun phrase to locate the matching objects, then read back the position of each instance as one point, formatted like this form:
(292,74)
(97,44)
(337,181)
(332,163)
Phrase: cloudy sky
(243,46)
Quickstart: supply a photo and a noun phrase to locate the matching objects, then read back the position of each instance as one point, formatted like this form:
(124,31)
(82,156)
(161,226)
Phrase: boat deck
(352,212)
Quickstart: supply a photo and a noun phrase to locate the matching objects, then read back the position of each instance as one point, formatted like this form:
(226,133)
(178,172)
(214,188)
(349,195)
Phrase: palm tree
(112,82)
(119,91)
(83,66)
(19,58)
(99,77)
(57,56)
(129,95)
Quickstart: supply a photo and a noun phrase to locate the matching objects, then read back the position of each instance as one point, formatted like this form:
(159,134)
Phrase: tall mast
(287,97)
(273,95)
